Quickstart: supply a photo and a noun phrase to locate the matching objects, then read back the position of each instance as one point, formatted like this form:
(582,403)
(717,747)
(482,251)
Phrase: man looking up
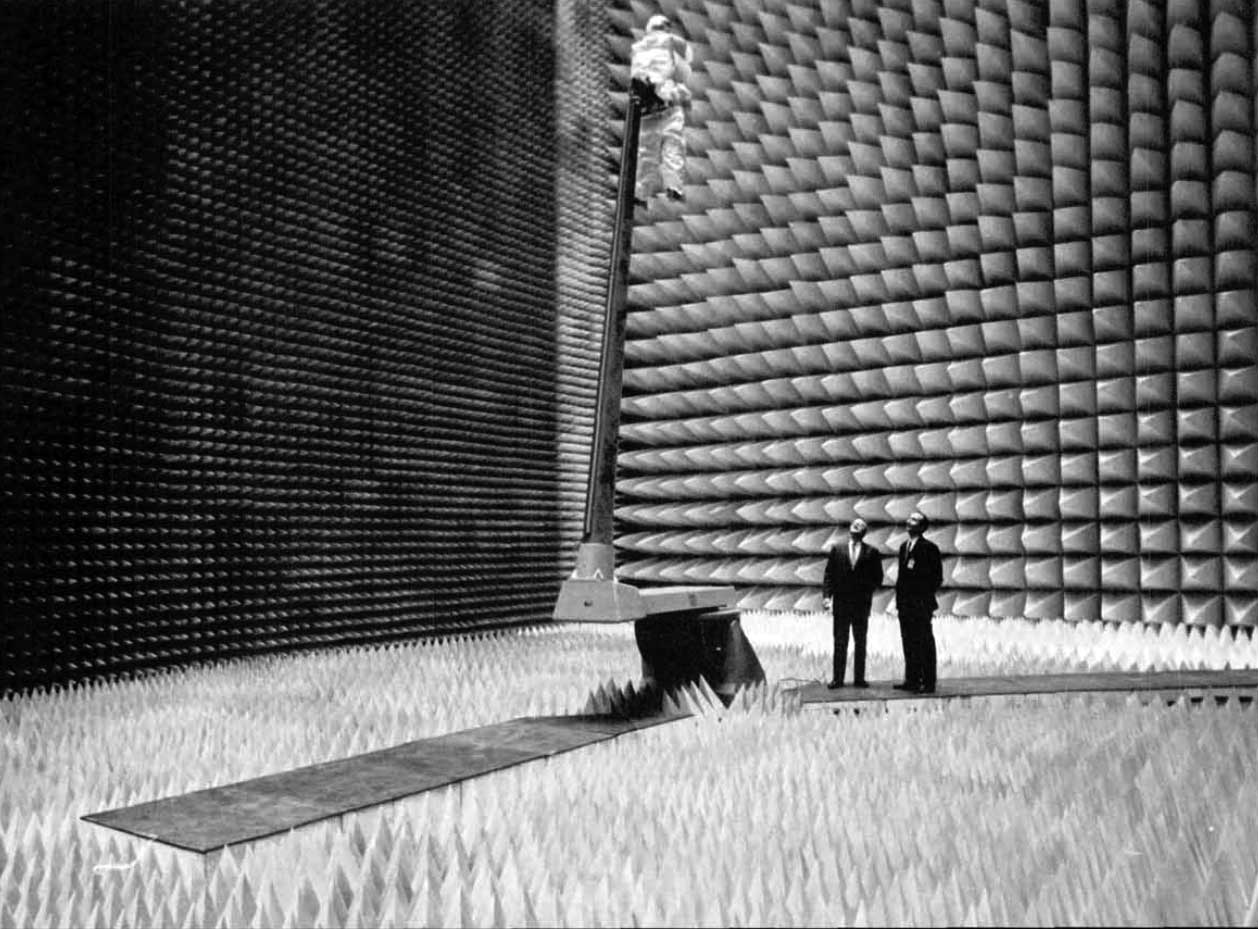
(853,573)
(921,574)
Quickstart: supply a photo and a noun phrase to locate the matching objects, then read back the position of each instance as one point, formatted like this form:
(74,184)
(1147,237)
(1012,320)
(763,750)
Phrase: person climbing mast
(662,59)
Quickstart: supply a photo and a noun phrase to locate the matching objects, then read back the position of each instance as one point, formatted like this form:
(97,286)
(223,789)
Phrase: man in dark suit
(853,573)
(921,574)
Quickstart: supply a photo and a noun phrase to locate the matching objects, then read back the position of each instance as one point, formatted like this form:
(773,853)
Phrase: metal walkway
(209,819)
(206,820)
(1093,682)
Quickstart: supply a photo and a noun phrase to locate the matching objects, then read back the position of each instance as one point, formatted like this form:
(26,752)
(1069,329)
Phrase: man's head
(856,531)
(917,523)
(657,23)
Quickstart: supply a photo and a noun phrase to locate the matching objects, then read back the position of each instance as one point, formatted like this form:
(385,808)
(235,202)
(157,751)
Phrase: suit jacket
(852,584)
(921,574)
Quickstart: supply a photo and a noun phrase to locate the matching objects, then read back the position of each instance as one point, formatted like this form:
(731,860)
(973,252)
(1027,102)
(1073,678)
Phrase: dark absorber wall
(277,366)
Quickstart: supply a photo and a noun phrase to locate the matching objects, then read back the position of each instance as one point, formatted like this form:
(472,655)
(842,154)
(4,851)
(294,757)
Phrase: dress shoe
(861,684)
(904,686)
(834,685)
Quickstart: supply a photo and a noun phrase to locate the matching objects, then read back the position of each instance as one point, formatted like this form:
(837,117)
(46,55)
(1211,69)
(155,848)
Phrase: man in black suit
(921,574)
(853,573)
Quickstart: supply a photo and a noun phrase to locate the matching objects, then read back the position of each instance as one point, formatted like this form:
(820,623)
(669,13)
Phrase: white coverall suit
(662,59)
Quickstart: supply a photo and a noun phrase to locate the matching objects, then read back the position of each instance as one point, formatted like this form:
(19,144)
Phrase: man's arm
(936,569)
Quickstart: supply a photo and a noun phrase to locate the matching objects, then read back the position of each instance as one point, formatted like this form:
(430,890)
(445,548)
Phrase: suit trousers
(918,639)
(853,618)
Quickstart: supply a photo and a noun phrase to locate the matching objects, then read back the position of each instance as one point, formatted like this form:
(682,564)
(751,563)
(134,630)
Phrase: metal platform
(818,696)
(598,600)
(206,820)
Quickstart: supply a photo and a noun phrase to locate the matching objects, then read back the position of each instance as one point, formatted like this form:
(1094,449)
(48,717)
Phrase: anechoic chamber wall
(994,260)
(278,360)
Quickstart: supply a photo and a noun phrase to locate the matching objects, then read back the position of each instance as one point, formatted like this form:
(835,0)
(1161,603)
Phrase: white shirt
(854,551)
